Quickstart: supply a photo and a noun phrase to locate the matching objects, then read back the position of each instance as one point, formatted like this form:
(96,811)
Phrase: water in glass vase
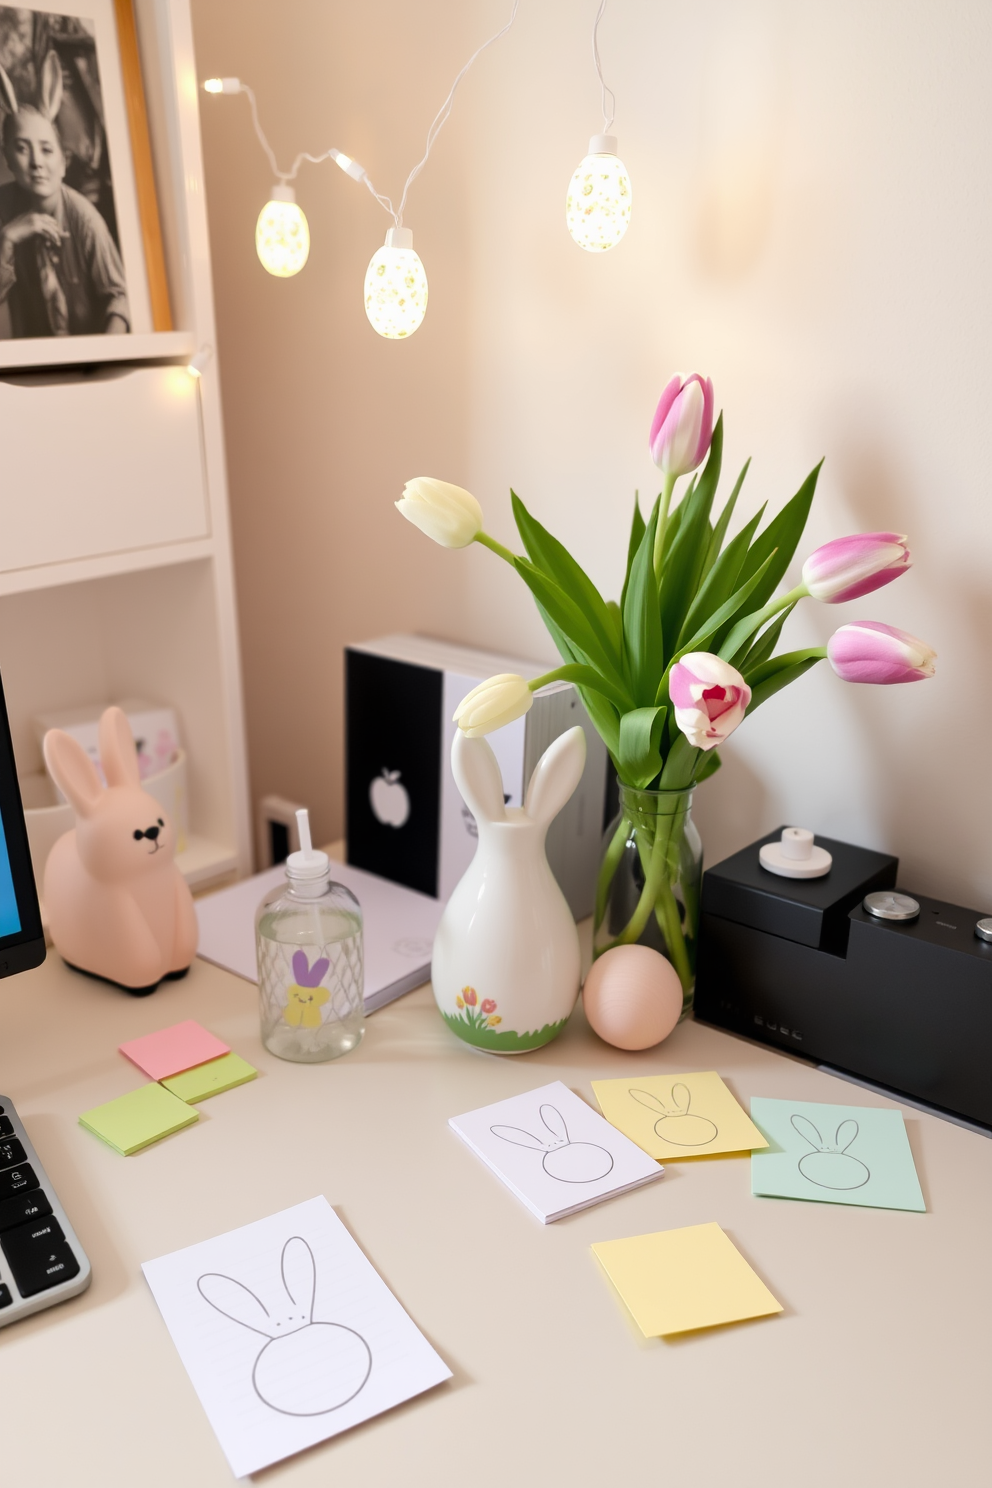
(308,935)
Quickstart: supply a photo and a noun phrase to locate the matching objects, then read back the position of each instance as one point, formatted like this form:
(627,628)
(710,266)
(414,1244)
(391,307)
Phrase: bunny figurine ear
(235,1302)
(299,1274)
(555,777)
(118,754)
(645,1098)
(519,1137)
(73,771)
(555,1122)
(50,90)
(8,98)
(807,1131)
(477,776)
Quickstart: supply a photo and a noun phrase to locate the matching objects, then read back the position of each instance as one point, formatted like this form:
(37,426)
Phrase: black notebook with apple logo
(393,768)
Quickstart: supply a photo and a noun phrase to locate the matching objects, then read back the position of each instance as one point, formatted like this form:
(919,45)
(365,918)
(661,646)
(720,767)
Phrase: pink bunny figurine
(117,905)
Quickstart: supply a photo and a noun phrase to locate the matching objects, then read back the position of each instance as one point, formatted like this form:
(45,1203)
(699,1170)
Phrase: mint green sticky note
(211,1078)
(136,1120)
(834,1155)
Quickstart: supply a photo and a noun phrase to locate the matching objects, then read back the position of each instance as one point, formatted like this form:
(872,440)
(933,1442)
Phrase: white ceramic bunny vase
(506,954)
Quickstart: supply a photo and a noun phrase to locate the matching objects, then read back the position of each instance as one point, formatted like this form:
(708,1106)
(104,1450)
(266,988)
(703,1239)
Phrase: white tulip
(448,514)
(499,700)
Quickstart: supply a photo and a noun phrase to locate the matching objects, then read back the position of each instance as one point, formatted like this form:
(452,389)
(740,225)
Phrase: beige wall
(810,226)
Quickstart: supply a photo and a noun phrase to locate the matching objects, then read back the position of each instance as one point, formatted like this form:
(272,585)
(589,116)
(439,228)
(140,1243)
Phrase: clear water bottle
(311,974)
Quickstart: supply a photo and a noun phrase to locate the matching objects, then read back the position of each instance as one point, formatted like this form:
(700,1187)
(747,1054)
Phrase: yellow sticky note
(673,1116)
(211,1078)
(139,1118)
(678,1280)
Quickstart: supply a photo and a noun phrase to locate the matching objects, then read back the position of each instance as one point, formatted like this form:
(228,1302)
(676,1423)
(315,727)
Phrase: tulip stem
(495,547)
(659,535)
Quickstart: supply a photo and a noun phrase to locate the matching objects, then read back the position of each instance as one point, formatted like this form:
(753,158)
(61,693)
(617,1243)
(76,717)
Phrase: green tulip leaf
(605,718)
(766,642)
(782,533)
(680,767)
(548,554)
(723,522)
(640,754)
(644,659)
(686,554)
(634,542)
(777,673)
(719,583)
(586,677)
(725,614)
(709,765)
(570,620)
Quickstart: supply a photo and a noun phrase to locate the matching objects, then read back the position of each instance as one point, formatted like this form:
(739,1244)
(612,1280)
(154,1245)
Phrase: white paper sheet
(556,1153)
(289,1334)
(399,928)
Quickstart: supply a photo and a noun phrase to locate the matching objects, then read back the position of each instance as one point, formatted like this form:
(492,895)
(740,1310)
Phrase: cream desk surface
(877,1372)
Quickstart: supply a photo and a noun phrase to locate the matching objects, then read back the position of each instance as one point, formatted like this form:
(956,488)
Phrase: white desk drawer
(101,463)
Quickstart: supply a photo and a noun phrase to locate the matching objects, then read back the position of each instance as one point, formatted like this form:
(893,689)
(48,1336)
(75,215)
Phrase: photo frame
(82,267)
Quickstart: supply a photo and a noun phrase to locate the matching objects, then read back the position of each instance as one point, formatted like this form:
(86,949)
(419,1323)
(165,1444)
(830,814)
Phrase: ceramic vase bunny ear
(506,966)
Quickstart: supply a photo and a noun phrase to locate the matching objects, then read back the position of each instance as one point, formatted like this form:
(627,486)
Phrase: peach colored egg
(632,997)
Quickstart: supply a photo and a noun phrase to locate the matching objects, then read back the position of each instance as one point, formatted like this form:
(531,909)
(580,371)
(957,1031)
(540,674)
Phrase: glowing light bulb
(597,207)
(396,287)
(282,238)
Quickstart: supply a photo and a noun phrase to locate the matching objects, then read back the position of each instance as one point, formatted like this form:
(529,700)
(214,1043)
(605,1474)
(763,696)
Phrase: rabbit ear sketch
(117,752)
(50,91)
(645,1098)
(299,1273)
(845,1135)
(8,98)
(681,1098)
(519,1137)
(807,1131)
(73,771)
(555,776)
(236,1302)
(554,1120)
(477,776)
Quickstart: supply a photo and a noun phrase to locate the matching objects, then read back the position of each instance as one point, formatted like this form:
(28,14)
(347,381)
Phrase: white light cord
(440,119)
(608,117)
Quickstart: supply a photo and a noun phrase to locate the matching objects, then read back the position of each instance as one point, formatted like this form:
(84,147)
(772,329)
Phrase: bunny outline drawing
(564,1160)
(675,1124)
(507,929)
(305,1367)
(306,996)
(830,1165)
(118,907)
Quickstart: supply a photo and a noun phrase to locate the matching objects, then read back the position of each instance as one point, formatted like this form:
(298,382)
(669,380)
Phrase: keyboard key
(5,1297)
(16,1180)
(32,1204)
(11,1152)
(39,1256)
(6,1130)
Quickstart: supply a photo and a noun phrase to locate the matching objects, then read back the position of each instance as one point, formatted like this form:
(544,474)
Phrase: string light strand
(608,114)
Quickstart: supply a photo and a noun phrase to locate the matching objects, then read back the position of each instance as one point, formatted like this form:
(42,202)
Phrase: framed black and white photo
(73,238)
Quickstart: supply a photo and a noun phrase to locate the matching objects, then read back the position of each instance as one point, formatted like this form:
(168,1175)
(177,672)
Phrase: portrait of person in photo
(61,271)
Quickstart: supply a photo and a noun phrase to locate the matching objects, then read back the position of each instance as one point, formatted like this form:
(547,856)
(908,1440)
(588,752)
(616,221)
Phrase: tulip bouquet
(670,670)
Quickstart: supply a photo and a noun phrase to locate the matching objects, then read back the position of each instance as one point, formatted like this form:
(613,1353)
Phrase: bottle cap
(888,905)
(309,863)
(795,855)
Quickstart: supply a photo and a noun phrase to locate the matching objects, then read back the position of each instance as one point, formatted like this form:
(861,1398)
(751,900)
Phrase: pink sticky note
(172,1050)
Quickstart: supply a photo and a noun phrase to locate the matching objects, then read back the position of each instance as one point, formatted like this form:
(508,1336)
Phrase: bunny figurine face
(305,1368)
(675,1124)
(563,1159)
(830,1165)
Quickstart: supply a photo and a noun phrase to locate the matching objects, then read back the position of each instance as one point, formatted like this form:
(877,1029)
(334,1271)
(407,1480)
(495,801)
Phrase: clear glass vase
(650,872)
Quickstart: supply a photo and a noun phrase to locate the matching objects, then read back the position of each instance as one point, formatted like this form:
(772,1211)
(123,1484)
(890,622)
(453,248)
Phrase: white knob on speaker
(795,855)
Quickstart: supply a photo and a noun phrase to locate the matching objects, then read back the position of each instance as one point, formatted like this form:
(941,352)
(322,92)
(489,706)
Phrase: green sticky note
(834,1155)
(211,1078)
(136,1120)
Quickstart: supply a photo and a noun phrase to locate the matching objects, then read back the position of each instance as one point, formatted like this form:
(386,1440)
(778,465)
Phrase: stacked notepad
(554,1152)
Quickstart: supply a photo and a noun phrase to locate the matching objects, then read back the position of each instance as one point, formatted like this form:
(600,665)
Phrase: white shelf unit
(116,572)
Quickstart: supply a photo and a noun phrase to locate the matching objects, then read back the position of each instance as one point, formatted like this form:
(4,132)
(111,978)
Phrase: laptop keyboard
(41,1260)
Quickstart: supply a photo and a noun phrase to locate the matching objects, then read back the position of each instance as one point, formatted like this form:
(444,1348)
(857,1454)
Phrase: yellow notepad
(139,1118)
(678,1280)
(676,1116)
(211,1078)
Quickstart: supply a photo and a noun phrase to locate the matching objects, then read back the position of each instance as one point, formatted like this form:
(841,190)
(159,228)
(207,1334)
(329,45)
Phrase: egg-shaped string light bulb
(282,237)
(396,287)
(597,206)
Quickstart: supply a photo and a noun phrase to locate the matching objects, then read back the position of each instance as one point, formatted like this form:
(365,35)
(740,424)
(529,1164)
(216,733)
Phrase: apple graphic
(389,800)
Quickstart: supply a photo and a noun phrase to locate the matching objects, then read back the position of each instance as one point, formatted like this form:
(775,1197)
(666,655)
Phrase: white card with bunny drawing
(835,1155)
(553,1151)
(289,1334)
(678,1116)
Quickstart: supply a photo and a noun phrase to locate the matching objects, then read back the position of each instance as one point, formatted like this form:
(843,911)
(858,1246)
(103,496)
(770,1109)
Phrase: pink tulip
(709,698)
(851,566)
(868,651)
(683,425)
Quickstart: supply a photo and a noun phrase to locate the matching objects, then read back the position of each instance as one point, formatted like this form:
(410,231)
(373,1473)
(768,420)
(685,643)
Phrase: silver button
(887,905)
(983,929)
